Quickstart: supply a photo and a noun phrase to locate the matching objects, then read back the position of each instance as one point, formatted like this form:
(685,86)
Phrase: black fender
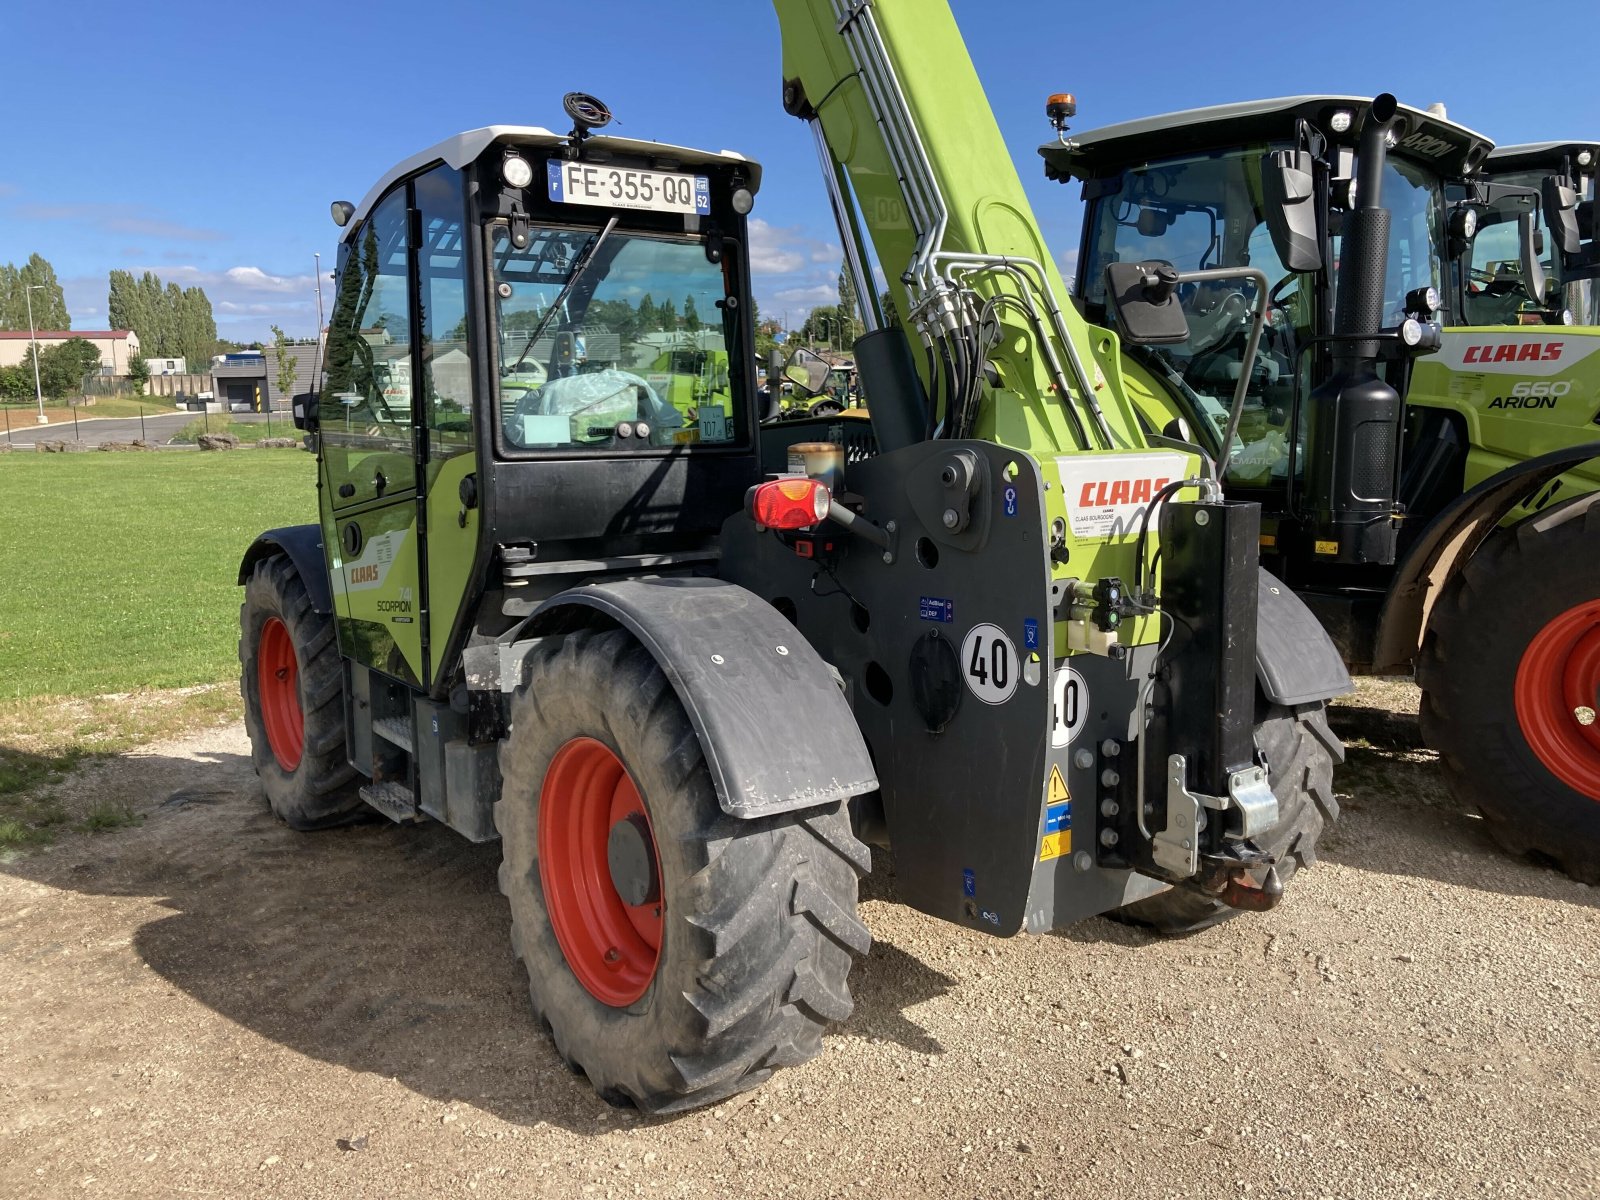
(776,730)
(1449,540)
(303,545)
(1296,660)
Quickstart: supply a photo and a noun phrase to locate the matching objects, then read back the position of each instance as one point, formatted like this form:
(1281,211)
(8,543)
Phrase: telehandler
(1014,636)
(1420,423)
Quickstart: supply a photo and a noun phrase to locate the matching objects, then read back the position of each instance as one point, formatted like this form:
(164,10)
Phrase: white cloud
(772,251)
(821,293)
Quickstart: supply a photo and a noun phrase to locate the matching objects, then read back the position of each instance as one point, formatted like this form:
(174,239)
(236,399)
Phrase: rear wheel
(677,955)
(293,688)
(1510,675)
(1300,751)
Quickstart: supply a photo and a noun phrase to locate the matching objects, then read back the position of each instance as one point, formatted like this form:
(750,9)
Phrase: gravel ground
(208,1004)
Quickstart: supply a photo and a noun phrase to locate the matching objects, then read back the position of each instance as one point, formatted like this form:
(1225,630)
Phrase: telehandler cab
(1419,426)
(558,596)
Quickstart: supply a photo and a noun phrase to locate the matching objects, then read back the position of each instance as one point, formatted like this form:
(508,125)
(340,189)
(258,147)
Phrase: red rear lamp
(792,502)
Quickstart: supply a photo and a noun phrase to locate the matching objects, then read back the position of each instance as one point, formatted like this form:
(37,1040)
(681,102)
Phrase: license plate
(627,187)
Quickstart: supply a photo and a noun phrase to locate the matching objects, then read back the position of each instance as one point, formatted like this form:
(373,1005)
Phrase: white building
(118,347)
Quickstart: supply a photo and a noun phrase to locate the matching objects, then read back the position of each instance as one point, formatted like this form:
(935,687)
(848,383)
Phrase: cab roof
(1451,148)
(1533,156)
(467,147)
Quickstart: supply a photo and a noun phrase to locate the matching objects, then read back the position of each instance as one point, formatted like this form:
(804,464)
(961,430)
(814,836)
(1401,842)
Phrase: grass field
(117,579)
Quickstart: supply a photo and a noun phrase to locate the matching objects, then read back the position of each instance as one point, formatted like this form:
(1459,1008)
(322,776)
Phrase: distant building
(167,366)
(118,347)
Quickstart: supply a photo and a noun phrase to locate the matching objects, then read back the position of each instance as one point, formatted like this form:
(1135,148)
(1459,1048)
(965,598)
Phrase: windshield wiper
(572,282)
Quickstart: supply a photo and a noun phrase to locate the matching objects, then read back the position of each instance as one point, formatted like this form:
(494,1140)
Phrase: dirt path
(209,1004)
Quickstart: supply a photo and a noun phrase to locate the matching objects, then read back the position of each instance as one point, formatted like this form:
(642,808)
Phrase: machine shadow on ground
(373,947)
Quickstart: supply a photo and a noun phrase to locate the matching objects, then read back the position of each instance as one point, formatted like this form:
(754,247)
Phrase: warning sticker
(1106,494)
(989,662)
(1057,827)
(1069,704)
(1058,793)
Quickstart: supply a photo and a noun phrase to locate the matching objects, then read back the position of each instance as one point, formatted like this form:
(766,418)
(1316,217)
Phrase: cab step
(394,800)
(396,731)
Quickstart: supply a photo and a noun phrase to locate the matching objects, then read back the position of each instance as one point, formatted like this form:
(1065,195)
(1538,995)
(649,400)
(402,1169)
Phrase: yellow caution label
(1055,845)
(1327,547)
(1058,786)
(1269,539)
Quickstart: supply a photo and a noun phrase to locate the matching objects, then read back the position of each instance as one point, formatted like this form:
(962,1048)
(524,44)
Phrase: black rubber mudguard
(774,724)
(303,545)
(1296,660)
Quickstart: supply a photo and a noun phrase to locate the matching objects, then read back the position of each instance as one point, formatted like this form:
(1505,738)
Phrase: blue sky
(204,141)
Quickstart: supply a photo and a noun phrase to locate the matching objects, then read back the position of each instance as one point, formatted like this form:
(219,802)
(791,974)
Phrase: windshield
(1411,194)
(615,344)
(1495,294)
(1197,213)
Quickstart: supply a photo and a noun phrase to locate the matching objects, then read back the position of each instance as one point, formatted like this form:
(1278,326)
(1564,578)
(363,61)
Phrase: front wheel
(677,955)
(1300,751)
(1510,676)
(293,687)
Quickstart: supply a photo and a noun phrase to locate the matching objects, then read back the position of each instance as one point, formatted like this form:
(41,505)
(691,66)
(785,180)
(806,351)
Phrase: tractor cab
(1271,184)
(522,316)
(1554,182)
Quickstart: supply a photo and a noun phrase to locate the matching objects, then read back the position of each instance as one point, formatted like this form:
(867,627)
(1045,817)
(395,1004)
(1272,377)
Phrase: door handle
(380,481)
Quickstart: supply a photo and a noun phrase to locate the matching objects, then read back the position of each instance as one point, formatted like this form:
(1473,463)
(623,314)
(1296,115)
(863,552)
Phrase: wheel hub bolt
(1584,714)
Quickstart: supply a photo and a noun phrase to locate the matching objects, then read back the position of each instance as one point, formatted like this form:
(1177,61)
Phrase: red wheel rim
(1557,685)
(612,946)
(278,686)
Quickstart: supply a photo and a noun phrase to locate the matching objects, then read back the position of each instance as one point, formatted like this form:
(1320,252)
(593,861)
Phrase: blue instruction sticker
(1030,634)
(1058,817)
(1011,501)
(969,883)
(936,608)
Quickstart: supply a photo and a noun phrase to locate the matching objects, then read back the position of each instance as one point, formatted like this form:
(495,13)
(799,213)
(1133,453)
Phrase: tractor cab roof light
(790,502)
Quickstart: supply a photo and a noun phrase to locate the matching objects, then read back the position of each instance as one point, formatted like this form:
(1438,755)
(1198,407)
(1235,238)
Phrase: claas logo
(1514,352)
(1105,493)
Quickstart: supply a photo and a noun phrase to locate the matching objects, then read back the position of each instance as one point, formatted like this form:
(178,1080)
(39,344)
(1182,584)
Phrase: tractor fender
(777,733)
(1449,540)
(1296,660)
(303,545)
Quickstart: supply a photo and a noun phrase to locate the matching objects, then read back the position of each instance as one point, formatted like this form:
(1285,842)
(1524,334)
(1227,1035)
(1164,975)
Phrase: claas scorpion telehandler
(577,608)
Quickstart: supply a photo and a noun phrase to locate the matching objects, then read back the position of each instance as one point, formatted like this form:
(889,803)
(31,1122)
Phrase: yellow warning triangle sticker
(1058,785)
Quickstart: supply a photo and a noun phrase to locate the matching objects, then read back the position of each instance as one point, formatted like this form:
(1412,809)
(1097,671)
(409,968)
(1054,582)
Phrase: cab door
(369,447)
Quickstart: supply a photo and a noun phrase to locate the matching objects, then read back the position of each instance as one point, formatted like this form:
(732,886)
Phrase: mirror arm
(1258,321)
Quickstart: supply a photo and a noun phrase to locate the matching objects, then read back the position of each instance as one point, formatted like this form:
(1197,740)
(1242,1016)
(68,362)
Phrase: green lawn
(117,570)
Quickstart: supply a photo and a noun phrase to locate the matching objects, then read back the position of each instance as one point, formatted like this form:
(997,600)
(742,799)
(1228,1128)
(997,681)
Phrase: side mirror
(807,371)
(1533,280)
(1561,215)
(1288,189)
(305,410)
(1144,297)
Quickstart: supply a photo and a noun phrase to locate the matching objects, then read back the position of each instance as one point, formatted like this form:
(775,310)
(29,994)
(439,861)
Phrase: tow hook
(1242,891)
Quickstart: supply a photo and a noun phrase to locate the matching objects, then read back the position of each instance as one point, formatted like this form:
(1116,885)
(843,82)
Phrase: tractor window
(638,353)
(1411,195)
(366,398)
(446,349)
(1200,212)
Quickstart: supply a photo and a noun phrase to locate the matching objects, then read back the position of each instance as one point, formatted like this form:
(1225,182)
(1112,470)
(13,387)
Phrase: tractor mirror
(1144,297)
(1561,215)
(1533,280)
(305,409)
(807,371)
(1289,193)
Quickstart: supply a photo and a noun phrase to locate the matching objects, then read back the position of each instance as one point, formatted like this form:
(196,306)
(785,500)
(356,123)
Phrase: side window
(446,350)
(367,397)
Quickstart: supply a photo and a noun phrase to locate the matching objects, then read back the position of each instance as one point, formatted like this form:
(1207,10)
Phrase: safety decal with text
(377,555)
(1106,495)
(1057,824)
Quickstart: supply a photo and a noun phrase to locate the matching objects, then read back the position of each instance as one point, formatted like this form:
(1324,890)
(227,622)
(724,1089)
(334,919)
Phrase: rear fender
(303,545)
(1296,661)
(776,730)
(1448,542)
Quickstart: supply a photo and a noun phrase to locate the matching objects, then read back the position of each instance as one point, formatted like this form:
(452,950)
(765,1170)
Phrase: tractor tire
(1509,669)
(293,688)
(1300,751)
(677,986)
(826,408)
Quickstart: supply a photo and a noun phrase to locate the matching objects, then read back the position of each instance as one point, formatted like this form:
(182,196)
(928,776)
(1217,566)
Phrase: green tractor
(1428,481)
(1017,638)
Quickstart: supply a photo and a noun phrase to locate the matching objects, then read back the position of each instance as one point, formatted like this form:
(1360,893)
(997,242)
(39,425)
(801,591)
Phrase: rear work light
(788,503)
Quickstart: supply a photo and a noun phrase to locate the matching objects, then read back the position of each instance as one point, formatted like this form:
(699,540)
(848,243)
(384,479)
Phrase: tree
(171,322)
(62,367)
(138,372)
(691,315)
(891,314)
(49,304)
(286,362)
(16,384)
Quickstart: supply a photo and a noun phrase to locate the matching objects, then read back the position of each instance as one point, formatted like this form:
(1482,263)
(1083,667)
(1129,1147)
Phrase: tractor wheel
(826,408)
(1300,752)
(293,688)
(677,955)
(1510,675)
